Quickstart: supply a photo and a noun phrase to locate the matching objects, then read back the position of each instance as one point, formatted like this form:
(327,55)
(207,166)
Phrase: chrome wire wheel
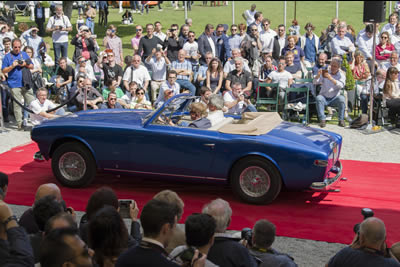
(254,181)
(72,166)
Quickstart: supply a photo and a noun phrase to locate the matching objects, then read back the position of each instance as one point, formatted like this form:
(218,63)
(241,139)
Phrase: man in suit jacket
(158,220)
(207,43)
(280,42)
(222,44)
(40,18)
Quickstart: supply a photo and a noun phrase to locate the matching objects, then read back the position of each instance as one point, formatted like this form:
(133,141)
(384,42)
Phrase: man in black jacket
(226,251)
(15,249)
(158,220)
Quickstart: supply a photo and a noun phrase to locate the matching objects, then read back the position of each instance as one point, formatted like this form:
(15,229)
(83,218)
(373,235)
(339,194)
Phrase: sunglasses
(384,37)
(253,30)
(113,98)
(81,81)
(140,93)
(82,61)
(233,29)
(139,30)
(266,24)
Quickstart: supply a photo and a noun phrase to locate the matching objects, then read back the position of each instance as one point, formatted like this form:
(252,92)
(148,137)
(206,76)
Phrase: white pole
(185,10)
(390,7)
(233,12)
(284,13)
(337,9)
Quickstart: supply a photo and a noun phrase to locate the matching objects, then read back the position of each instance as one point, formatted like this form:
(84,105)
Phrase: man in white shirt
(137,73)
(341,44)
(158,32)
(391,26)
(248,15)
(395,38)
(158,63)
(171,85)
(366,43)
(393,62)
(192,49)
(230,64)
(332,82)
(267,37)
(282,77)
(215,106)
(59,25)
(40,105)
(236,102)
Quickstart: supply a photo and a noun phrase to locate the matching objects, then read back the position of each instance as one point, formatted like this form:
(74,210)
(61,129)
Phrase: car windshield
(176,106)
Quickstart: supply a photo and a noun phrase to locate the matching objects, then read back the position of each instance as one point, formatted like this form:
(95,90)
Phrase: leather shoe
(24,128)
(342,123)
(322,124)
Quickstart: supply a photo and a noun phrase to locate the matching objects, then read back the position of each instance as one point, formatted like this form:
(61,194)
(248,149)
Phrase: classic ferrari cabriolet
(256,153)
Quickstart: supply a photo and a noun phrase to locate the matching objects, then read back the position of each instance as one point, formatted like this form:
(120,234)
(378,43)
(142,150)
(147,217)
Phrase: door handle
(210,145)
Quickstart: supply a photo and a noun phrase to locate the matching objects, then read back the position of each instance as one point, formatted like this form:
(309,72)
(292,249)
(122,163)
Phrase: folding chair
(268,100)
(297,90)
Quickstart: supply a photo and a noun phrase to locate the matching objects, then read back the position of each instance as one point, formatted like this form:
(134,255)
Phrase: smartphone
(124,208)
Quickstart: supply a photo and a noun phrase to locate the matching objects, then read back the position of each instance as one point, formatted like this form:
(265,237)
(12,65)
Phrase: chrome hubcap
(255,181)
(72,166)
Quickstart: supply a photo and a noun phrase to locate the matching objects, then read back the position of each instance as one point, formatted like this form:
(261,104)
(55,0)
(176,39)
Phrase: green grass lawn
(319,13)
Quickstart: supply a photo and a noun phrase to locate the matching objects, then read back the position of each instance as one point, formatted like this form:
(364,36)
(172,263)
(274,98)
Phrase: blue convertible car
(257,153)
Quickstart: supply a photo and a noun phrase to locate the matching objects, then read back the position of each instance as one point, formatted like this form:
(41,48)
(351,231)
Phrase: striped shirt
(185,65)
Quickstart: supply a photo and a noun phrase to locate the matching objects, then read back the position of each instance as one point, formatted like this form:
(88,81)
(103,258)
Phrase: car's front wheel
(73,165)
(256,180)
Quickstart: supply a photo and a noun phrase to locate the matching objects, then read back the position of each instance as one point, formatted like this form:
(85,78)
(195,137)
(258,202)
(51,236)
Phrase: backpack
(359,122)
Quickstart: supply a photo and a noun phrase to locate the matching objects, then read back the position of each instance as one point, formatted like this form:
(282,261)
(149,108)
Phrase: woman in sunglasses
(384,49)
(140,101)
(85,46)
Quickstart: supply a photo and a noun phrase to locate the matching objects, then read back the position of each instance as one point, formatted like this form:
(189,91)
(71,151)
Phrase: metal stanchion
(2,128)
(85,99)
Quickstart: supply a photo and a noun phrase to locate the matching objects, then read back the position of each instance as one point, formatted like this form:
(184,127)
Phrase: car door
(173,150)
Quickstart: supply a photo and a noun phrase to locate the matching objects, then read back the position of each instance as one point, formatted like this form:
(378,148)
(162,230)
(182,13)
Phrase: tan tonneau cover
(253,123)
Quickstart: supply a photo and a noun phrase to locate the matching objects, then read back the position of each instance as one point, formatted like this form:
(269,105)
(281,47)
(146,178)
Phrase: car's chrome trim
(329,181)
(166,174)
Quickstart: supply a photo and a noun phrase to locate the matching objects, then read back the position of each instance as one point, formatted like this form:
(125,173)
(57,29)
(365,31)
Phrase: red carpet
(318,216)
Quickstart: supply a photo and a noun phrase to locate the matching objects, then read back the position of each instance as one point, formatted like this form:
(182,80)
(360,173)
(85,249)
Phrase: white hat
(83,28)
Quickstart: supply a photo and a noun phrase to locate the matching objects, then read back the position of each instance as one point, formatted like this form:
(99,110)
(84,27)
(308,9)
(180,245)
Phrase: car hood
(100,117)
(305,136)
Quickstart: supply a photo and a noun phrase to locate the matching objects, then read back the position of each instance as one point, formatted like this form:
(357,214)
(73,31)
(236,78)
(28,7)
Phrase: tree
(67,7)
(350,82)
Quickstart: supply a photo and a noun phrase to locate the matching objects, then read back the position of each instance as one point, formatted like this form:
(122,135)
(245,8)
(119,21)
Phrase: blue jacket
(223,49)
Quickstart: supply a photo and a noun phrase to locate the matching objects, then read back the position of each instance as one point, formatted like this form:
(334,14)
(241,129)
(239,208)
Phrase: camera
(366,212)
(187,254)
(247,234)
(20,61)
(124,207)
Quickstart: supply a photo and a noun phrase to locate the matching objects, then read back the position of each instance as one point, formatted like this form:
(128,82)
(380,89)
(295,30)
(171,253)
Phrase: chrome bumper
(329,181)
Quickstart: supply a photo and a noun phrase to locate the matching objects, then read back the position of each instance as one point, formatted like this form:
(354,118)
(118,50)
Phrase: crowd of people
(49,235)
(251,54)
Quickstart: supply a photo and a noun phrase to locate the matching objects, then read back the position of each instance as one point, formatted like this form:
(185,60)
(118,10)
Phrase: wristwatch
(9,219)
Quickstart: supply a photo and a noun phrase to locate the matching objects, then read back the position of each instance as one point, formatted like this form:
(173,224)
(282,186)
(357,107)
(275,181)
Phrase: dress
(214,81)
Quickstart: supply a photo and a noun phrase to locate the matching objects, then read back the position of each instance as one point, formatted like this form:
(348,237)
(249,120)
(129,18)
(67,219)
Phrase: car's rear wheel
(256,180)
(73,165)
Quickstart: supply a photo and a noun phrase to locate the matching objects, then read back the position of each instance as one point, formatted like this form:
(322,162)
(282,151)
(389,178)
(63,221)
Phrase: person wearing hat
(85,45)
(33,40)
(309,42)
